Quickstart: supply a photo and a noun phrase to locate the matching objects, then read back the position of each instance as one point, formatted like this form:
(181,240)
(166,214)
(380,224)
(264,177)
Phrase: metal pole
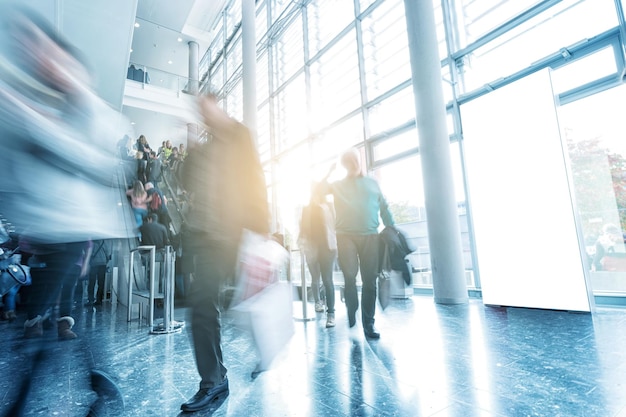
(130,284)
(114,282)
(305,302)
(152,283)
(169,325)
(166,290)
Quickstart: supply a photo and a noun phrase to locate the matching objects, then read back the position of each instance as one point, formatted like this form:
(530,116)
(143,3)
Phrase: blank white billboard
(527,246)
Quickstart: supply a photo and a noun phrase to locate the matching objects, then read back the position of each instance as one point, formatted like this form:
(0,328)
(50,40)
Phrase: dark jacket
(154,233)
(397,246)
(240,199)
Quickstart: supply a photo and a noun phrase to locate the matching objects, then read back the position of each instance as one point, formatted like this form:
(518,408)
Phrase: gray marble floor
(432,360)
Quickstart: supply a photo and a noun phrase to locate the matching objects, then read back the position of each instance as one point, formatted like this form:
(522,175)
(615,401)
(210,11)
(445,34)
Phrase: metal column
(305,301)
(169,325)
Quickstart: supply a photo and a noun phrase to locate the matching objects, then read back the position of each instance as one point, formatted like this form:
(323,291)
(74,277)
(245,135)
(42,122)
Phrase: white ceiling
(163,22)
(156,42)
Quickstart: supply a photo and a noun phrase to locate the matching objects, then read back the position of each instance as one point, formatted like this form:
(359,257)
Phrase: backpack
(155,204)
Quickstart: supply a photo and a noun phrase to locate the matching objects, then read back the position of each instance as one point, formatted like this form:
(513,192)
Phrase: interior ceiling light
(131,50)
(179,39)
(137,24)
(169,62)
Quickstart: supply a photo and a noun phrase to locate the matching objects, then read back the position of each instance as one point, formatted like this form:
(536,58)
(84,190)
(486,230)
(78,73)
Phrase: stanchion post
(166,288)
(304,291)
(305,297)
(152,284)
(169,275)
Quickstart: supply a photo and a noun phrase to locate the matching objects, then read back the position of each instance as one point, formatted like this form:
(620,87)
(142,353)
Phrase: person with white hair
(359,202)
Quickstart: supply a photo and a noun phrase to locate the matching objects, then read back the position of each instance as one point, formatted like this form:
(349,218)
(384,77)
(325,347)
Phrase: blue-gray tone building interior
(494,129)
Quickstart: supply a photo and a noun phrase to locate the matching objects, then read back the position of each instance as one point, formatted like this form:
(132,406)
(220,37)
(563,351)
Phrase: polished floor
(432,360)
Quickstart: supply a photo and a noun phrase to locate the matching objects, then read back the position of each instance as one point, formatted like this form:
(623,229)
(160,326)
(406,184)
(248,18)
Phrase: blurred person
(99,260)
(125,149)
(166,151)
(8,248)
(182,151)
(65,321)
(143,146)
(155,168)
(158,204)
(175,163)
(9,305)
(139,200)
(154,233)
(319,243)
(160,149)
(227,193)
(58,141)
(143,155)
(609,255)
(173,159)
(358,202)
(127,154)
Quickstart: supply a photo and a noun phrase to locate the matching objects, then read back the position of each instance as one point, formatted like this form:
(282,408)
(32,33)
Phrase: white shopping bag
(261,303)
(258,265)
(269,317)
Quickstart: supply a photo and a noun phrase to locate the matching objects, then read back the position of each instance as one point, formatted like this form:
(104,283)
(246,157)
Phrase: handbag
(12,273)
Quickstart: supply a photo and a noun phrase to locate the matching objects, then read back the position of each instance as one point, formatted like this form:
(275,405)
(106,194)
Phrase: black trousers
(59,272)
(359,252)
(213,263)
(97,274)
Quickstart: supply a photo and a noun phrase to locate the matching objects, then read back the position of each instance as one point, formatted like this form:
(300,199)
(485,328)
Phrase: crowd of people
(86,284)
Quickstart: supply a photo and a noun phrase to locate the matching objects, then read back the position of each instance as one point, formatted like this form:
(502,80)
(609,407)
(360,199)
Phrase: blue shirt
(358,201)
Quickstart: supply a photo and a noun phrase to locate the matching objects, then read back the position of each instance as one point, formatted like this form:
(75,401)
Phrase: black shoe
(205,396)
(98,303)
(371,333)
(89,304)
(110,401)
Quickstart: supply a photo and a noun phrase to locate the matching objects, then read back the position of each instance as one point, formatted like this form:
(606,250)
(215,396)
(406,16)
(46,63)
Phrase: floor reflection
(432,360)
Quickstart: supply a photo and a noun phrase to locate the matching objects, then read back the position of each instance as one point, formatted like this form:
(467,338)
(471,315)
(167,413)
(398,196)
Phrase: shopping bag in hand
(258,266)
(261,303)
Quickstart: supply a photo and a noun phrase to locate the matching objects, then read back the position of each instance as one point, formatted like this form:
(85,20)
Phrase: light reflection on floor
(432,360)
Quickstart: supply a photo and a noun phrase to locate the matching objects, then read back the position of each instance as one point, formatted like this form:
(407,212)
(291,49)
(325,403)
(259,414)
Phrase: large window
(594,134)
(341,136)
(336,74)
(335,84)
(476,18)
(326,19)
(385,45)
(392,112)
(288,53)
(290,115)
(561,26)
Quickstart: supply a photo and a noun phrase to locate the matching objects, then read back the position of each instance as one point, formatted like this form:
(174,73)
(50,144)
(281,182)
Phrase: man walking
(358,203)
(227,193)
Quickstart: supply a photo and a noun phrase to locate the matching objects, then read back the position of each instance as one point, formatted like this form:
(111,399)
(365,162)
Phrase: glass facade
(336,74)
